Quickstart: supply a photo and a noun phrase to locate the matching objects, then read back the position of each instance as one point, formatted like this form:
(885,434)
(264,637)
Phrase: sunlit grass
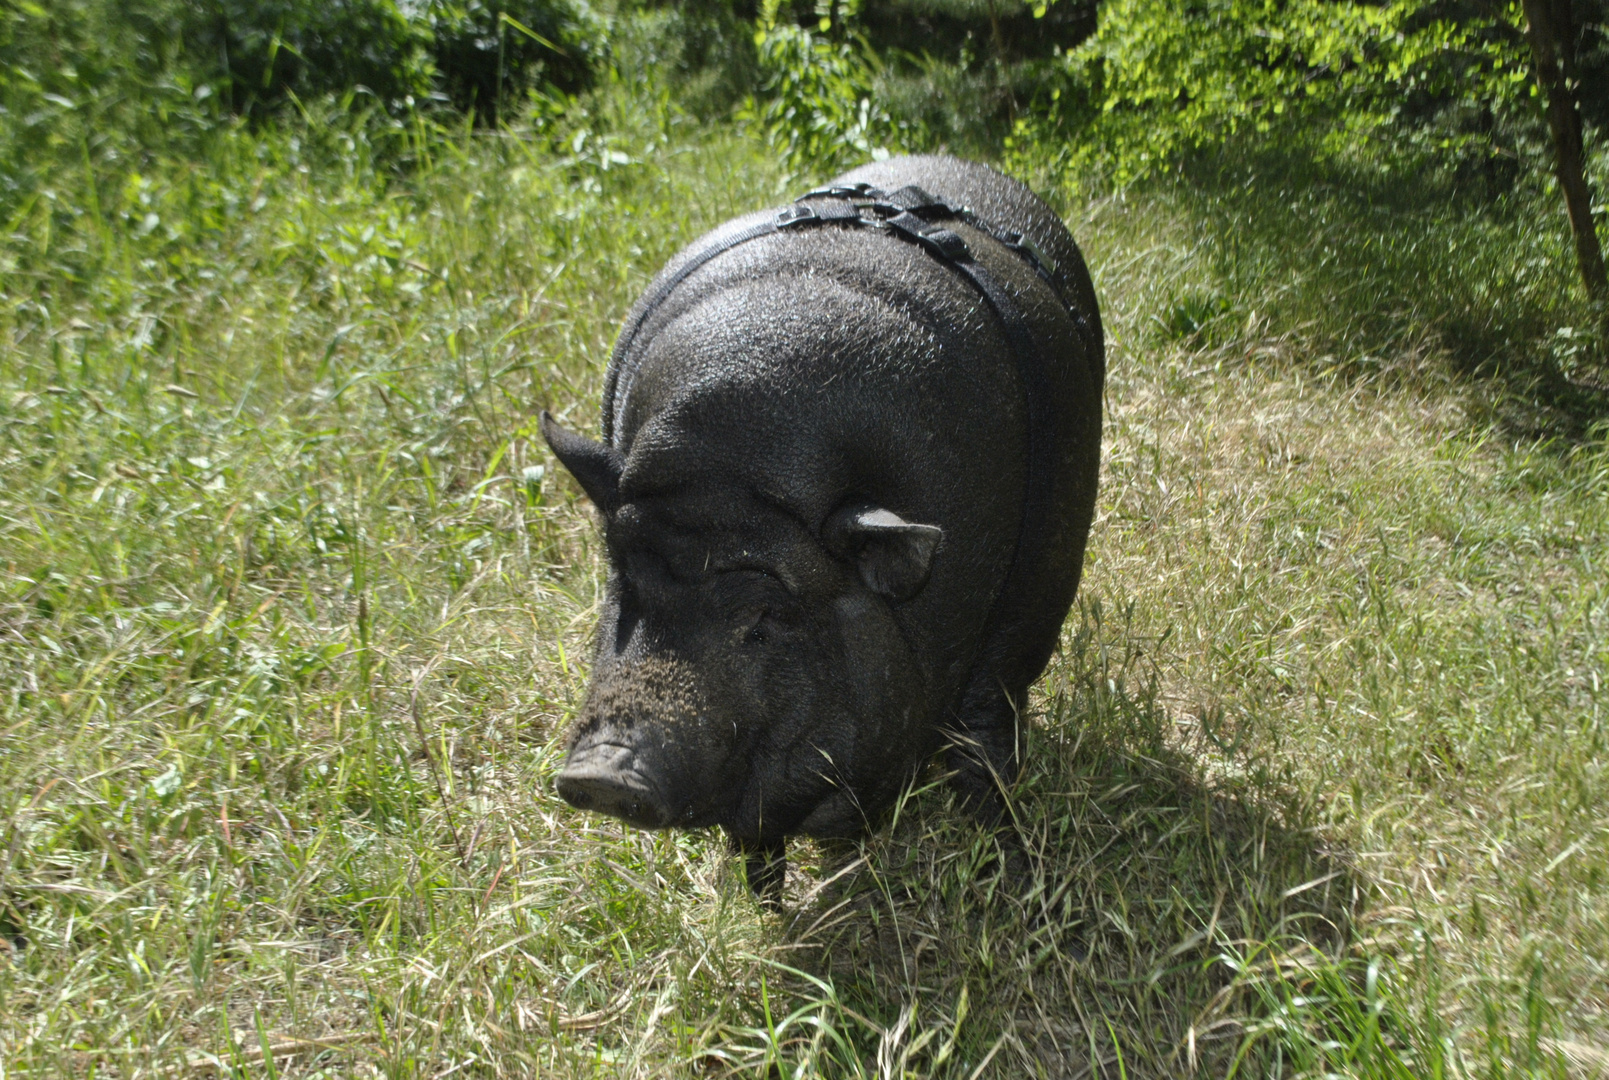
(296,606)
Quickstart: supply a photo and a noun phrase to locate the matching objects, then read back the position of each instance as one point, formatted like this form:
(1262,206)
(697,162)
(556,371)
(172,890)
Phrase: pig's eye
(760,607)
(759,633)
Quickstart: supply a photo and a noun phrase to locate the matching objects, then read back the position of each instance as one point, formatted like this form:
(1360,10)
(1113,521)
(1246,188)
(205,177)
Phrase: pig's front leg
(765,863)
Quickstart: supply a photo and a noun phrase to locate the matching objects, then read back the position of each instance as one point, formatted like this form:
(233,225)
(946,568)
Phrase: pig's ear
(595,466)
(893,555)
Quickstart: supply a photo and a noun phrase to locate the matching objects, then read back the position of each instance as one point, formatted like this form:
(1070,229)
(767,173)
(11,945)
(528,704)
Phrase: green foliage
(701,51)
(957,72)
(259,52)
(1191,314)
(1174,75)
(85,81)
(81,45)
(492,51)
(816,101)
(255,57)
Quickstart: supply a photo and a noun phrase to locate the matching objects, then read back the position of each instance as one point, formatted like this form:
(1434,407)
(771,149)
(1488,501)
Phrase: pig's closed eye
(771,623)
(760,632)
(760,604)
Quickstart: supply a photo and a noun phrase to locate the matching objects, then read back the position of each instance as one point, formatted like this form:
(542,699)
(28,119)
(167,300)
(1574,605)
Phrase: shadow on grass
(1148,880)
(1398,271)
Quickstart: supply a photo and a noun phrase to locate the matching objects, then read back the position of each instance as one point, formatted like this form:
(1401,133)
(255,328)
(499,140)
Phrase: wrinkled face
(749,672)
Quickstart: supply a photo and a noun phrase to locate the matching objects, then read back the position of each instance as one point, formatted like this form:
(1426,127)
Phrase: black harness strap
(628,336)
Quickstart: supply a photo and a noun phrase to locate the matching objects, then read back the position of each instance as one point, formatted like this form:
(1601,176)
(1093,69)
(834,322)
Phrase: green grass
(296,606)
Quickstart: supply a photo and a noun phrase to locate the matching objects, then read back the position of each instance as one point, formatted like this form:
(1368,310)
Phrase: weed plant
(295,612)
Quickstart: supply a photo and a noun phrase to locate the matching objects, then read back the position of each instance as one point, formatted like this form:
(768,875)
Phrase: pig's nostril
(608,781)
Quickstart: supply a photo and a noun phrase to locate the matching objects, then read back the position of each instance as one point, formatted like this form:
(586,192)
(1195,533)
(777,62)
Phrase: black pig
(848,469)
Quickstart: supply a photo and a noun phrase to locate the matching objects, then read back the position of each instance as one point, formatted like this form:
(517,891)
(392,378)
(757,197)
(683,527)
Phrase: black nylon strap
(628,336)
(913,198)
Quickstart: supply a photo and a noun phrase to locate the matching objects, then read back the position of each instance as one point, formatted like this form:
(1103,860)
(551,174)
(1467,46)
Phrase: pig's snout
(614,780)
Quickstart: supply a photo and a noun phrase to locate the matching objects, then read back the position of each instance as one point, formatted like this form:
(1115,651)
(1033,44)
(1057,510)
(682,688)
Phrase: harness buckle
(1036,254)
(794,215)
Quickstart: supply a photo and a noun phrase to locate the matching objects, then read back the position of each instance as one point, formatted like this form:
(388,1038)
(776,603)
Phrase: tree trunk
(1552,30)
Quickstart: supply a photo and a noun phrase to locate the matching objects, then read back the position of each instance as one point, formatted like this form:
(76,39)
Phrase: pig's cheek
(872,652)
(709,748)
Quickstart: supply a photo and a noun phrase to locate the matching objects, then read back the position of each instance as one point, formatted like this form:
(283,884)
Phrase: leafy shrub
(81,80)
(703,48)
(255,55)
(488,51)
(817,101)
(1410,77)
(478,53)
(260,51)
(971,33)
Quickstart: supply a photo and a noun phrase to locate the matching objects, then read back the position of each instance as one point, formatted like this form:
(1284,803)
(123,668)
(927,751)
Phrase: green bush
(489,51)
(258,52)
(256,55)
(817,99)
(704,49)
(1409,79)
(83,80)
